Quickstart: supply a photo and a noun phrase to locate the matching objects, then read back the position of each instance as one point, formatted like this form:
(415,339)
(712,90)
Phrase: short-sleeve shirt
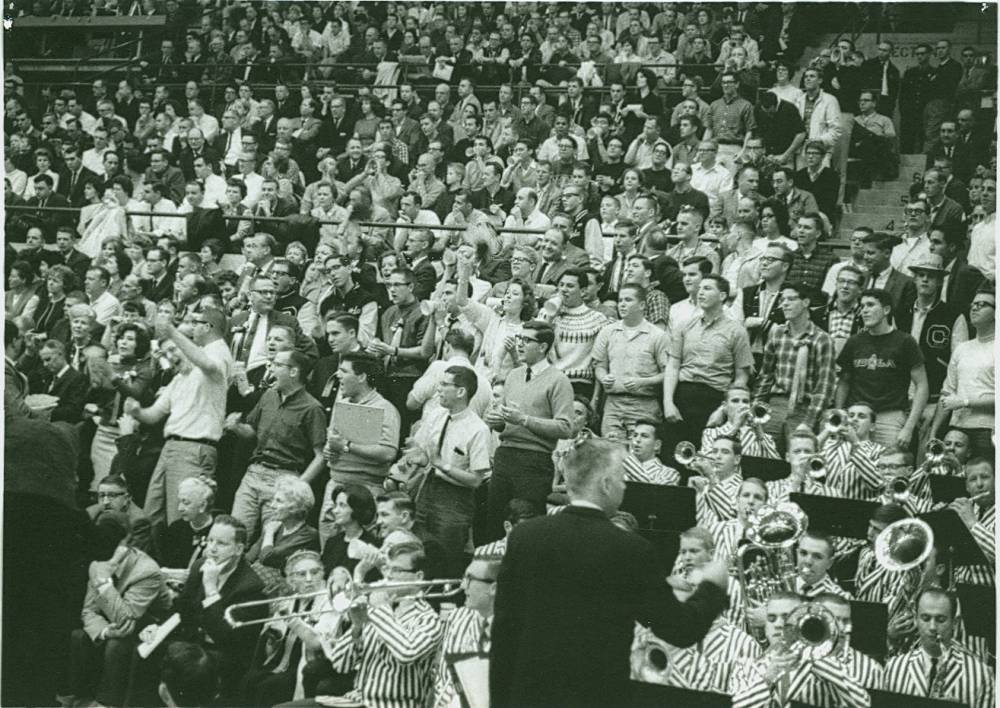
(288,430)
(639,351)
(711,352)
(195,402)
(351,467)
(879,366)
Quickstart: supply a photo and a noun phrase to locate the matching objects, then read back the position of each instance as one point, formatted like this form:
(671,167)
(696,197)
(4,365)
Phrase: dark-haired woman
(352,512)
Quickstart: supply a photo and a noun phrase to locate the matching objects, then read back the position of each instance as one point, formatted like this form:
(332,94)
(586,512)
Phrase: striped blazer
(965,679)
(827,683)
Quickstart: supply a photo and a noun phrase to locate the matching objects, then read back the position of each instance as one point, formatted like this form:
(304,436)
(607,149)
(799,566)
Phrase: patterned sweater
(576,329)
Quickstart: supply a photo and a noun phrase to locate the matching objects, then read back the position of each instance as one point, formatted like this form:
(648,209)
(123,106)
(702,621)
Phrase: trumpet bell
(813,630)
(935,450)
(761,413)
(904,544)
(685,452)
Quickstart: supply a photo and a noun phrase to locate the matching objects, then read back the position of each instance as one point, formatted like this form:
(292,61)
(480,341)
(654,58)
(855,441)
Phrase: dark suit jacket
(902,290)
(76,197)
(235,645)
(203,224)
(173,179)
(570,590)
(425,280)
(962,284)
(323,384)
(963,160)
(950,216)
(78,262)
(751,308)
(266,133)
(164,290)
(872,71)
(573,257)
(47,221)
(71,388)
(186,160)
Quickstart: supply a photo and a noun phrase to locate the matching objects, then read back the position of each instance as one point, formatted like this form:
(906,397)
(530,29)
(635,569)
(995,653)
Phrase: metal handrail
(833,243)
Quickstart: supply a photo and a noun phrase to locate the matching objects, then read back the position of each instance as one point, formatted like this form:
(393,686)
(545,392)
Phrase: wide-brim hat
(931,263)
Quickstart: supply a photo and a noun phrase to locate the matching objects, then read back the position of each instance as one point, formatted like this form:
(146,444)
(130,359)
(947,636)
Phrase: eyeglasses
(520,259)
(317,572)
(770,259)
(110,495)
(199,322)
(980,304)
(914,212)
(522,338)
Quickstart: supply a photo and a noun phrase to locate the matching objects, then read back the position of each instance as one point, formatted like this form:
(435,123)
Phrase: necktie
(885,79)
(616,274)
(527,375)
(541,273)
(248,336)
(72,182)
(444,431)
(932,676)
(229,141)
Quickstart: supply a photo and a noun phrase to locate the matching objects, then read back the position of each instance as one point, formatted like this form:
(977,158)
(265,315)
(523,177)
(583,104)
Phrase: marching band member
(781,675)
(978,513)
(851,454)
(752,496)
(468,629)
(815,557)
(716,498)
(706,666)
(643,465)
(872,581)
(939,667)
(735,418)
(802,449)
(860,667)
(896,467)
(393,639)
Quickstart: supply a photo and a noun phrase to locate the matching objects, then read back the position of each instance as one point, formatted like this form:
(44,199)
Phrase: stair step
(880,210)
(874,221)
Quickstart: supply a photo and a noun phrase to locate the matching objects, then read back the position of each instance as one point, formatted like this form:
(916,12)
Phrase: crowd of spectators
(308,279)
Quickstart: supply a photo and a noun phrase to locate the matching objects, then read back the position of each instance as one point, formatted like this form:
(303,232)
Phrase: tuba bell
(904,544)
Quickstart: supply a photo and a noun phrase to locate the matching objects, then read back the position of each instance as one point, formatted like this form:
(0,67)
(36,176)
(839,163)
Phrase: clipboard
(470,672)
(357,423)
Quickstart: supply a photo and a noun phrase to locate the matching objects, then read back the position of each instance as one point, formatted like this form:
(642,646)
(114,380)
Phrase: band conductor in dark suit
(571,588)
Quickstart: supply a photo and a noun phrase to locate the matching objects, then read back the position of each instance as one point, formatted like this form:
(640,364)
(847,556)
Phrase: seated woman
(185,539)
(352,513)
(124,587)
(285,531)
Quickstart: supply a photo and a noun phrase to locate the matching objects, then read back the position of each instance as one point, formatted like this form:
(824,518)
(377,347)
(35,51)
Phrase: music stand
(654,695)
(835,515)
(952,534)
(979,606)
(947,489)
(660,507)
(887,699)
(764,468)
(874,618)
(666,545)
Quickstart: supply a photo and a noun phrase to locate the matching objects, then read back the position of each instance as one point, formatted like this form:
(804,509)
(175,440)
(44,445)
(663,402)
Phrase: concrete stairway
(882,204)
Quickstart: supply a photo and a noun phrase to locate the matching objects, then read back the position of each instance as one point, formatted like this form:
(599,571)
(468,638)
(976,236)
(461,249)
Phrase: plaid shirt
(843,326)
(657,307)
(779,367)
(812,269)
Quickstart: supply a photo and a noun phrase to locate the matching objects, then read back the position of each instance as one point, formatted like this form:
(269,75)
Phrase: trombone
(340,600)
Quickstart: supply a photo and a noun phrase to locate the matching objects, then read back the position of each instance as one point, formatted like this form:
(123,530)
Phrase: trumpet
(835,420)
(935,451)
(340,600)
(898,488)
(686,453)
(760,413)
(817,467)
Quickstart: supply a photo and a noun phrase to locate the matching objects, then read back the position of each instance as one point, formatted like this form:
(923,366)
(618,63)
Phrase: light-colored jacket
(824,123)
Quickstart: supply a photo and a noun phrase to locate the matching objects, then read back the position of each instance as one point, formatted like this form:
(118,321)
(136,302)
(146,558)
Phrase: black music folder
(654,695)
(886,699)
(947,489)
(979,610)
(764,468)
(835,515)
(950,533)
(660,507)
(873,617)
